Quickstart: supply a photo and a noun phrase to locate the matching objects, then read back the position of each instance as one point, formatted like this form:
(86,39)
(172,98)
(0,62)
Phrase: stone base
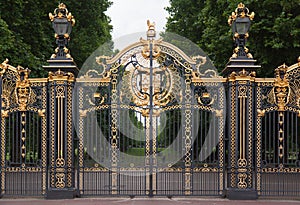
(241,194)
(61,194)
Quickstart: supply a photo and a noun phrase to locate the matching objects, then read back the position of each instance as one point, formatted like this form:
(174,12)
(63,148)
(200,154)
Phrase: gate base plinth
(238,194)
(61,194)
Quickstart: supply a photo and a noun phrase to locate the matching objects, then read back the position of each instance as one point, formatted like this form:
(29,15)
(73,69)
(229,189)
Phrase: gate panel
(280,163)
(278,141)
(23,133)
(149,125)
(93,133)
(208,148)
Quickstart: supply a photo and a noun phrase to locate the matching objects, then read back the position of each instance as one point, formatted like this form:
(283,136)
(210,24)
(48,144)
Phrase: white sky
(130,16)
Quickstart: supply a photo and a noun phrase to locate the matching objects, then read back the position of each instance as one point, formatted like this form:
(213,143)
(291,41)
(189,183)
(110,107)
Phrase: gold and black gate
(149,125)
(278,133)
(23,132)
(149,121)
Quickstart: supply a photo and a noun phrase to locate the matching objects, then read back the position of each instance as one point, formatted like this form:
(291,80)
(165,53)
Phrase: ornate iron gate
(144,119)
(149,121)
(278,138)
(23,133)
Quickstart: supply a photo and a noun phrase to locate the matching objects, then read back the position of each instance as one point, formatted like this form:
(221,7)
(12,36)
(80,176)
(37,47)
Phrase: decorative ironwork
(62,22)
(21,101)
(156,83)
(23,90)
(149,76)
(240,21)
(277,127)
(233,134)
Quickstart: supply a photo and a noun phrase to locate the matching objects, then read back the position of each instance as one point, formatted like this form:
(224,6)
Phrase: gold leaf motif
(42,112)
(261,113)
(4,113)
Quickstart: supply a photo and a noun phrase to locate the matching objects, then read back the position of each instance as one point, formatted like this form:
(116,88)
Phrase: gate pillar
(61,170)
(62,71)
(241,128)
(240,73)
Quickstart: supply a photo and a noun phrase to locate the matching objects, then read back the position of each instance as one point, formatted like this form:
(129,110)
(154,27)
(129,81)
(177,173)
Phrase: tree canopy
(274,33)
(27,37)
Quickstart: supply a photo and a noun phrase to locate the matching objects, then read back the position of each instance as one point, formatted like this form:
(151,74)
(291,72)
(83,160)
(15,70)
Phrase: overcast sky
(130,16)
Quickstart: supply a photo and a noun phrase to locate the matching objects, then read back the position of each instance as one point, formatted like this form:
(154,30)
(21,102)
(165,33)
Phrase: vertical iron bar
(292,125)
(296,137)
(2,158)
(151,116)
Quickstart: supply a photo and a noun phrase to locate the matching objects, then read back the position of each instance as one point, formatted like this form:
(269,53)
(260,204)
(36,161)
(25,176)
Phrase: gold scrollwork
(60,183)
(281,169)
(242,184)
(242,162)
(200,61)
(60,162)
(146,50)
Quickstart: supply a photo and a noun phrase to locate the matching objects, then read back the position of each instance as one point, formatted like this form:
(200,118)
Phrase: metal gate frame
(189,174)
(49,115)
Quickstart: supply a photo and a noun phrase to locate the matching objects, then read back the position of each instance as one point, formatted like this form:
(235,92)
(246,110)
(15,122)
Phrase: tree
(29,37)
(92,27)
(274,34)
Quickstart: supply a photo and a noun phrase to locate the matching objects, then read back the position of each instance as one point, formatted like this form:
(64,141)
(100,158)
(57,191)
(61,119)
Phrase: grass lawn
(139,151)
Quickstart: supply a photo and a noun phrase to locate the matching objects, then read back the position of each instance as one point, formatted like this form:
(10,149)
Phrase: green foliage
(136,151)
(274,34)
(92,27)
(27,37)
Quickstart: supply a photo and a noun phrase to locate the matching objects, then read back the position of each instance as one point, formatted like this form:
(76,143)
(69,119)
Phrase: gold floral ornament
(281,87)
(240,20)
(62,22)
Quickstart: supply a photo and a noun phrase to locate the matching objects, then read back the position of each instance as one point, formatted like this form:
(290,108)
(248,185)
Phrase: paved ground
(144,201)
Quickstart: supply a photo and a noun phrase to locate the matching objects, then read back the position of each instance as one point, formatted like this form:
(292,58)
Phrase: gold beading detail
(232,134)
